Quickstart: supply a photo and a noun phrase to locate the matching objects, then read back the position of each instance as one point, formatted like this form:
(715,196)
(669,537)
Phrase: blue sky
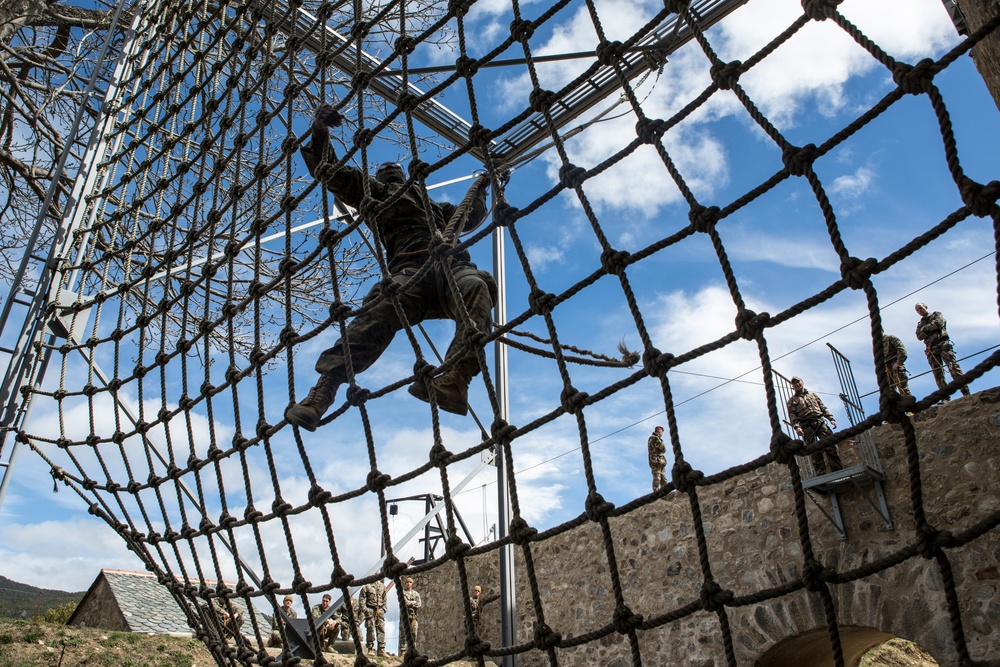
(887,184)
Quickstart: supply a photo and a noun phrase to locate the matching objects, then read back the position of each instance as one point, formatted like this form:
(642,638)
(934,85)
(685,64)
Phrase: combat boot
(381,653)
(452,392)
(308,412)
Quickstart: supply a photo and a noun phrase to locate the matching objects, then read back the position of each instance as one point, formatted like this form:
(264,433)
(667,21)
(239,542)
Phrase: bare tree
(189,138)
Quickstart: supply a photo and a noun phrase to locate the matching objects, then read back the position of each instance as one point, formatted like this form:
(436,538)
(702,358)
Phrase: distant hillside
(21,600)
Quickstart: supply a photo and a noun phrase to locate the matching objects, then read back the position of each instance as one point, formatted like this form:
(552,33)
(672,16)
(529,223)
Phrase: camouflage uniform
(406,229)
(329,630)
(229,622)
(657,459)
(806,411)
(411,600)
(275,638)
(345,619)
(932,329)
(895,356)
(374,605)
(477,604)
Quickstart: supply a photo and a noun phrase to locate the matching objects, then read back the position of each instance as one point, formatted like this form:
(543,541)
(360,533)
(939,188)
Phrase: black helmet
(390,172)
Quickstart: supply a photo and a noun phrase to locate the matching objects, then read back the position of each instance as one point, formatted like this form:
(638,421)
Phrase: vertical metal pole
(508,619)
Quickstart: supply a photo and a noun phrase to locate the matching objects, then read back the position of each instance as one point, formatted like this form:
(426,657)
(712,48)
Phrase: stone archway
(812,648)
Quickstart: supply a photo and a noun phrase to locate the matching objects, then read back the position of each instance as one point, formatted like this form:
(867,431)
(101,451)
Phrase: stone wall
(100,610)
(754,544)
(987,53)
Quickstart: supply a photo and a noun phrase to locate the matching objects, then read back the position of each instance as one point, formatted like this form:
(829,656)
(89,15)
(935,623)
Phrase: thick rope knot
(300,585)
(251,514)
(420,170)
(572,176)
(684,477)
(649,130)
(280,506)
(676,6)
(364,137)
(540,99)
(502,432)
(368,208)
(572,399)
(377,481)
(466,68)
(714,597)
(815,575)
(414,659)
(357,395)
(703,218)
(405,45)
(328,238)
(541,303)
(504,214)
(614,261)
(783,448)
(856,272)
(978,198)
(749,324)
(625,620)
(455,548)
(521,30)
(318,495)
(656,363)
(725,75)
(362,661)
(440,455)
(894,407)
(359,81)
(479,136)
(798,161)
(339,311)
(458,8)
(931,541)
(393,567)
(608,53)
(520,532)
(820,10)
(341,579)
(227,520)
(408,102)
(914,79)
(597,508)
(361,30)
(475,646)
(545,637)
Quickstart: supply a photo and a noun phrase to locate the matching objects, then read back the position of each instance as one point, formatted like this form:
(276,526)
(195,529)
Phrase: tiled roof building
(137,602)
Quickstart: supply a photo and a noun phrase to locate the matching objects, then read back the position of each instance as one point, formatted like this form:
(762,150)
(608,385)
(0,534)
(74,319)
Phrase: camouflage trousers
(938,358)
(659,476)
(370,333)
(898,379)
(816,430)
(413,632)
(375,629)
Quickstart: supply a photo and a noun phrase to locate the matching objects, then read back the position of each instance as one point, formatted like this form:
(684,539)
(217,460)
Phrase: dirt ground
(29,644)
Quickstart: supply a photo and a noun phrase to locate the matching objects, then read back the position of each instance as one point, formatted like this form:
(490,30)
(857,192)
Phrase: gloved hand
(326,116)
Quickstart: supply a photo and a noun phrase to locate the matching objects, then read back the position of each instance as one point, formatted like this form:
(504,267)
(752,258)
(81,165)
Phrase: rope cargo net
(205,258)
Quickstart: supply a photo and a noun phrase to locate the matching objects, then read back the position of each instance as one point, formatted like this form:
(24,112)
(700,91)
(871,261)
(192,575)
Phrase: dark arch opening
(812,649)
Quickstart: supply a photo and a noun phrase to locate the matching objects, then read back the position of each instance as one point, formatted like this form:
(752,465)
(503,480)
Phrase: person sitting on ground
(286,606)
(329,629)
(407,228)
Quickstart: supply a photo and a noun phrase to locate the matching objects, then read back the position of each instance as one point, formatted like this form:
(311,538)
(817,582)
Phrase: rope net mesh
(203,262)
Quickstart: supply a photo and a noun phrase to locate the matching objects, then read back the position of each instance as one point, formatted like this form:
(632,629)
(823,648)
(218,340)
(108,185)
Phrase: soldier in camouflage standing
(374,605)
(657,458)
(932,329)
(407,228)
(807,413)
(411,600)
(477,603)
(895,356)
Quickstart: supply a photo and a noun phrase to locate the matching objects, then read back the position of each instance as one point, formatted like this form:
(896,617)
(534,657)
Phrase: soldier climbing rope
(183,303)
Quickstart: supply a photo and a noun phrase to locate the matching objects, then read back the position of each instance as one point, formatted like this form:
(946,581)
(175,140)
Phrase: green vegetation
(22,601)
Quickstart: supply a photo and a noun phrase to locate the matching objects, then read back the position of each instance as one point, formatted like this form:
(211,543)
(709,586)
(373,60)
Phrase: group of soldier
(371,603)
(809,416)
